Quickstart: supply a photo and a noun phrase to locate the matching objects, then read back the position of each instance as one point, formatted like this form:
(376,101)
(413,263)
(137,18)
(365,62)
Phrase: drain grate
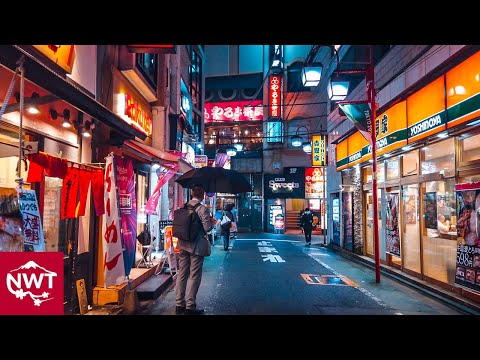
(313,279)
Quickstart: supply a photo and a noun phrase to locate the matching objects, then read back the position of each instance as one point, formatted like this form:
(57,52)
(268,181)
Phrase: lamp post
(297,140)
(370,81)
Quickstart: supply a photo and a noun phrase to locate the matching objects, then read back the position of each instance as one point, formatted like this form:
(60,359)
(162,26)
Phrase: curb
(441,295)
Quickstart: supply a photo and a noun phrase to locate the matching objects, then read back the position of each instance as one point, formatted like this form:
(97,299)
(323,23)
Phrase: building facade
(427,140)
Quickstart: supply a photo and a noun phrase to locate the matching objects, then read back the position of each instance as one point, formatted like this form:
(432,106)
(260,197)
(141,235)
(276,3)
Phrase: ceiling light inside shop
(473,123)
(442,135)
(246,132)
(155,167)
(370,161)
(211,141)
(387,155)
(408,147)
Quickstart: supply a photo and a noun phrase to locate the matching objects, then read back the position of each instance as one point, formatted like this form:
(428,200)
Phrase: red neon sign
(245,110)
(275,96)
(139,117)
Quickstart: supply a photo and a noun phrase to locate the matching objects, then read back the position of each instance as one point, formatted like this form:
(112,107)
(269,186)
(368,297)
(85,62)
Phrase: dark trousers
(226,238)
(308,235)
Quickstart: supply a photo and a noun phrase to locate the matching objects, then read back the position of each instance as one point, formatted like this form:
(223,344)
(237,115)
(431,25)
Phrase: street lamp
(238,146)
(296,140)
(311,74)
(307,146)
(337,88)
(231,151)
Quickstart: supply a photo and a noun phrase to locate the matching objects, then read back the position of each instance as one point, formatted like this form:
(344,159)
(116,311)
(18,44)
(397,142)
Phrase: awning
(67,91)
(161,156)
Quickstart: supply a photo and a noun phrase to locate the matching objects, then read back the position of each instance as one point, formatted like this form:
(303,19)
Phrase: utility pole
(370,81)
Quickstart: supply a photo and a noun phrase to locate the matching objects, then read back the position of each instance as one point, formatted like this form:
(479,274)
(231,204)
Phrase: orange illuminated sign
(62,55)
(341,152)
(463,91)
(391,128)
(426,111)
(170,240)
(137,116)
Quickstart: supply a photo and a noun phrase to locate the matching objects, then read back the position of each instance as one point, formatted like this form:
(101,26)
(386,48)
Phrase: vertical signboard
(128,208)
(347,203)
(32,224)
(113,265)
(275,96)
(319,150)
(467,272)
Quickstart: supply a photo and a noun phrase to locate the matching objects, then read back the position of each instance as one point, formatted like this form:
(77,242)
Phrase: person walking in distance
(225,227)
(191,256)
(307,225)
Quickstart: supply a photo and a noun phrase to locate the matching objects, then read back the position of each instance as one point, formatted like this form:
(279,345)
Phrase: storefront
(284,195)
(58,123)
(428,149)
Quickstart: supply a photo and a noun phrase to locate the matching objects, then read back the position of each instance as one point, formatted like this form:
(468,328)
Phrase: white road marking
(398,314)
(264,243)
(273,258)
(267,249)
(291,241)
(321,254)
(364,291)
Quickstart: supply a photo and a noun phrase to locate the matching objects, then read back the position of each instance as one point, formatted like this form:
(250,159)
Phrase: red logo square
(31,283)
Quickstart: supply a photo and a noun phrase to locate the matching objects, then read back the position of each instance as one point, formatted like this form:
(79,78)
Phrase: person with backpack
(225,224)
(190,226)
(307,224)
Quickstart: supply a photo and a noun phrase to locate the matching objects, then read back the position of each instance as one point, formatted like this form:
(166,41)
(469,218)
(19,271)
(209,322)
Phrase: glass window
(439,230)
(410,163)
(147,64)
(274,132)
(438,158)
(195,72)
(411,227)
(470,148)
(393,169)
(367,173)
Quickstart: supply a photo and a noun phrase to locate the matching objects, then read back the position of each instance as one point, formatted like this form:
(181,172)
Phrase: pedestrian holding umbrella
(215,179)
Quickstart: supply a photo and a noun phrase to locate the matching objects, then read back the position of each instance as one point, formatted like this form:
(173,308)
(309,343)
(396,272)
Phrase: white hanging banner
(32,233)
(113,266)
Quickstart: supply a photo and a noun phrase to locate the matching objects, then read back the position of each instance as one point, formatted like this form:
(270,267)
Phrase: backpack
(187,223)
(225,223)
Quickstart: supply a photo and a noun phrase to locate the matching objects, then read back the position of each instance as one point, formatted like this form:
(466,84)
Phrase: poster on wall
(127,203)
(431,210)
(392,231)
(467,272)
(347,205)
(410,209)
(32,224)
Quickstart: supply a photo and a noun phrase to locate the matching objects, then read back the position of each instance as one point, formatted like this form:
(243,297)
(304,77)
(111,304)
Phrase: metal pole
(371,97)
(324,217)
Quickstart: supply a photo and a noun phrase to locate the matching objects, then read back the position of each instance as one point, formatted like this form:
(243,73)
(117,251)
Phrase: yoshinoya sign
(245,110)
(427,125)
(291,186)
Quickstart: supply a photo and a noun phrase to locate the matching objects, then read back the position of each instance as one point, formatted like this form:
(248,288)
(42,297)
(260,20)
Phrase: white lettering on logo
(354,157)
(278,185)
(18,278)
(425,125)
(382,143)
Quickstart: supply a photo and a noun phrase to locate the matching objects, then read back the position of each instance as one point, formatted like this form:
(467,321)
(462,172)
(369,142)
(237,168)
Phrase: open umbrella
(215,179)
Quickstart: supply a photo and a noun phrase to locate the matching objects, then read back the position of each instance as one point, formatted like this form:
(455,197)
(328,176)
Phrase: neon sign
(134,114)
(275,96)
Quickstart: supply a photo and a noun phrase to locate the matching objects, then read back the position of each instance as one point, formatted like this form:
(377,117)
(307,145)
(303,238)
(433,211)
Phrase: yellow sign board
(62,55)
(319,150)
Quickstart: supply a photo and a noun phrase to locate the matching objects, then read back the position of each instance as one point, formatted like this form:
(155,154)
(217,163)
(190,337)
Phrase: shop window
(147,64)
(274,132)
(410,228)
(439,158)
(393,169)
(439,232)
(196,74)
(367,173)
(470,148)
(410,163)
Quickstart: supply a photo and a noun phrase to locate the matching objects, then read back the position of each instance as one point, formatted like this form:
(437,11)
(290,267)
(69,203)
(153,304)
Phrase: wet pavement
(271,274)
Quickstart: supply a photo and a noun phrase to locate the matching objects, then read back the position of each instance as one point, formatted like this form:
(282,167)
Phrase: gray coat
(201,246)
